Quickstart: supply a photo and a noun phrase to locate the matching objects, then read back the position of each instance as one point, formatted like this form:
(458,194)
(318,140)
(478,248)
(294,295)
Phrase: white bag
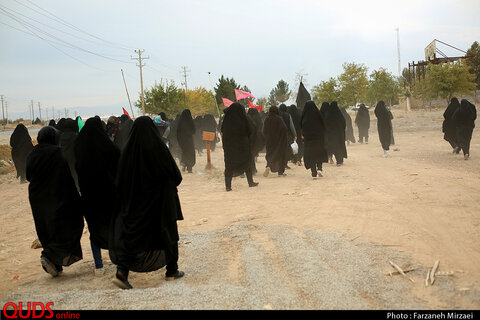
(294,146)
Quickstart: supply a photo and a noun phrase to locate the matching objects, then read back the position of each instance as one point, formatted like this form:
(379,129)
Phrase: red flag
(125,112)
(251,105)
(226,102)
(239,94)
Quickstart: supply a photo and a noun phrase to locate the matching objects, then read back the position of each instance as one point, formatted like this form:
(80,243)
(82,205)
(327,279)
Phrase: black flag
(302,97)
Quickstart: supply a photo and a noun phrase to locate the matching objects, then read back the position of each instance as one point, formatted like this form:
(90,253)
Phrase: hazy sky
(67,54)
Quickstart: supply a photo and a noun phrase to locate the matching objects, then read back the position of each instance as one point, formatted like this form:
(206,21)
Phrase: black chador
(144,235)
(69,132)
(313,131)
(349,136)
(259,144)
(22,145)
(185,135)
(123,131)
(464,118)
(237,135)
(55,203)
(335,124)
(362,121)
(384,126)
(96,165)
(296,115)
(449,127)
(278,150)
(210,125)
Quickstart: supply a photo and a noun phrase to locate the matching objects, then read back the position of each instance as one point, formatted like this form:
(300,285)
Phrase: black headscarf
(22,145)
(146,222)
(236,134)
(384,124)
(314,136)
(113,123)
(335,124)
(54,201)
(96,165)
(276,140)
(185,132)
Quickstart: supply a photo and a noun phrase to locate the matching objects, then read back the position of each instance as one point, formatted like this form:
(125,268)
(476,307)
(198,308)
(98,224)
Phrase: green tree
(448,79)
(383,86)
(225,88)
(262,102)
(200,101)
(474,61)
(326,91)
(280,93)
(164,97)
(353,83)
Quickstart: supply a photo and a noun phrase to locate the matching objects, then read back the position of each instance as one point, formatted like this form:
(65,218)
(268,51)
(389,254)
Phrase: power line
(62,42)
(68,24)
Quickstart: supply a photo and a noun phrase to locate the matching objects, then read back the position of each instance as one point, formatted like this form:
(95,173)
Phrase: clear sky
(69,54)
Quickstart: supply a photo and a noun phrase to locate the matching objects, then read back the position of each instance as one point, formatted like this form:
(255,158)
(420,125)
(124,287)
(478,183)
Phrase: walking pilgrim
(384,126)
(313,134)
(22,145)
(237,135)
(96,165)
(144,234)
(55,203)
(278,150)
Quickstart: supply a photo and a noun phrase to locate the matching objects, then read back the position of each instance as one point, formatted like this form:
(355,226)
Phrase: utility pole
(3,112)
(139,52)
(39,111)
(33,113)
(185,83)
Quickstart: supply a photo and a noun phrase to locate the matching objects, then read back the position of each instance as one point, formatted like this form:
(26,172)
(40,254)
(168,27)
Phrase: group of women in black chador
(458,125)
(126,191)
(121,177)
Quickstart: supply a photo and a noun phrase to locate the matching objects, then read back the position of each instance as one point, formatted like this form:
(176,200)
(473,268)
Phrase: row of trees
(354,85)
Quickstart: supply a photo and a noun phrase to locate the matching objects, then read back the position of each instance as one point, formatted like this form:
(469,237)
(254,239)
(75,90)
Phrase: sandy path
(419,205)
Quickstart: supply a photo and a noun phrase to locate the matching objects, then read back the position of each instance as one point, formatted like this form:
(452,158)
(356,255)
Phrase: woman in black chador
(237,134)
(96,165)
(313,131)
(259,144)
(144,235)
(69,132)
(278,149)
(22,145)
(362,121)
(296,115)
(335,124)
(449,127)
(464,118)
(384,126)
(55,203)
(210,125)
(349,136)
(185,133)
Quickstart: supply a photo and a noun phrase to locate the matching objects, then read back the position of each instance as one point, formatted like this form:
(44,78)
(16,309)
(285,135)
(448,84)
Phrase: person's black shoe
(122,284)
(254,184)
(174,276)
(49,267)
(228,188)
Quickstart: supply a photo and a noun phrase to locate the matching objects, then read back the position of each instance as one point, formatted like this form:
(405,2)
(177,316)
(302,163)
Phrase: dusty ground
(419,205)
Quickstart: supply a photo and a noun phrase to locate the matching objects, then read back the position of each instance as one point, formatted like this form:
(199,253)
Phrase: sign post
(208,136)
